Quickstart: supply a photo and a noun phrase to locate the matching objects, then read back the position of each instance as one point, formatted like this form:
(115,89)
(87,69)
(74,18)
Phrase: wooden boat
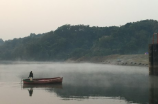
(43,80)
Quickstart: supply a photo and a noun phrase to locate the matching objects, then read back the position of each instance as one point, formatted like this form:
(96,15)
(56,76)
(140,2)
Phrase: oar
(21,83)
(21,80)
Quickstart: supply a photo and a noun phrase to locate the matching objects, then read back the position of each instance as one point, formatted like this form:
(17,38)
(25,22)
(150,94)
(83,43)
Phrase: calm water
(82,84)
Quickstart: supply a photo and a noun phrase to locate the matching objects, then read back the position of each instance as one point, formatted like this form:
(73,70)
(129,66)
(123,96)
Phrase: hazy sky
(19,18)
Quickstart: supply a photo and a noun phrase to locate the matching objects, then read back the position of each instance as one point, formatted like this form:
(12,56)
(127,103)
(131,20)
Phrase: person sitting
(31,76)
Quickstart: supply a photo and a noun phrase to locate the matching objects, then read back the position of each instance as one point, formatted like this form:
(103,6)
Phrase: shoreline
(125,60)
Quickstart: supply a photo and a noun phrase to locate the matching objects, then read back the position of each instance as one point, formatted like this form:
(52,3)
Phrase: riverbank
(129,60)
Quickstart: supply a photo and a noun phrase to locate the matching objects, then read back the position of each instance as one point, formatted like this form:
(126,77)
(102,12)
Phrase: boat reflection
(43,86)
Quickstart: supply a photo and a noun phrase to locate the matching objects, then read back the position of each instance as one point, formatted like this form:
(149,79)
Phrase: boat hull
(43,80)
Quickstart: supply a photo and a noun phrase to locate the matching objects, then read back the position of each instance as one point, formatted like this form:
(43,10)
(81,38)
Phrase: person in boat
(31,76)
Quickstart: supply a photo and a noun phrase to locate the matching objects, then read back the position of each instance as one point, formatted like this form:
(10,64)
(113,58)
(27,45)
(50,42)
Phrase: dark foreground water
(82,84)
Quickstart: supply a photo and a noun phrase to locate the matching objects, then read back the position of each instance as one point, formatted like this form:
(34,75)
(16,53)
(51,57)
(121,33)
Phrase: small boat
(43,80)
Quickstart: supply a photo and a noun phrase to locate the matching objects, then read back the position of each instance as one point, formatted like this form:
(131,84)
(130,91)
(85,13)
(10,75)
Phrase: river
(82,83)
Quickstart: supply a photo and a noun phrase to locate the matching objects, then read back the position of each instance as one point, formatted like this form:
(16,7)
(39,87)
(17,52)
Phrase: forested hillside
(1,41)
(74,41)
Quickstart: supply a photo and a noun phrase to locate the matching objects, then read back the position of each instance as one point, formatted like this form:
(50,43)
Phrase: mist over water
(82,82)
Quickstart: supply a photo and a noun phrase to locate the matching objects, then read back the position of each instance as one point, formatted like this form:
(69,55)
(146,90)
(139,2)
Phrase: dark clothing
(31,74)
(30,91)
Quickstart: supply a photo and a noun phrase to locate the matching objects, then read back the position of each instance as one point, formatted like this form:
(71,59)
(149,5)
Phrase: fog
(76,74)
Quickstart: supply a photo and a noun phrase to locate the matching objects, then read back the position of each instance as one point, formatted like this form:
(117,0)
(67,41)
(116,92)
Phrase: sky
(19,18)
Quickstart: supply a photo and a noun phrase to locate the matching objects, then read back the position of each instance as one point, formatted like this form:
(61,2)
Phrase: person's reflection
(30,91)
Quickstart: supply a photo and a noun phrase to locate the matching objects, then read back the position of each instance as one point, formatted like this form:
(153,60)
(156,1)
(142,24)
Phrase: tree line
(74,41)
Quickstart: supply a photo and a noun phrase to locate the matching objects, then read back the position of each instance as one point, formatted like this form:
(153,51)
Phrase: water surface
(82,83)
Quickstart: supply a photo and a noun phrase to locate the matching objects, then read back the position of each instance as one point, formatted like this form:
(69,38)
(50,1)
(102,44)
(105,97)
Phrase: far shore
(125,60)
(128,60)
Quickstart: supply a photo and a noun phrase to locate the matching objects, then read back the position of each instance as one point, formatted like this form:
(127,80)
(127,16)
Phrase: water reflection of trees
(130,94)
(129,87)
(139,90)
